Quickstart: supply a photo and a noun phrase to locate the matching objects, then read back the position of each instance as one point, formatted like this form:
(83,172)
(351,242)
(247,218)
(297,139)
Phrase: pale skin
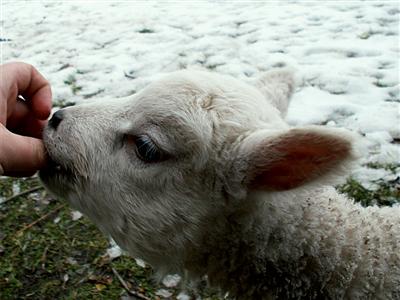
(22,151)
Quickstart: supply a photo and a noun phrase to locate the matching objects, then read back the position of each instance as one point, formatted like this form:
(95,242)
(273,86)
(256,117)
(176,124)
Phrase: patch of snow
(385,154)
(379,137)
(140,262)
(164,293)
(183,296)
(171,280)
(76,215)
(368,176)
(16,188)
(114,251)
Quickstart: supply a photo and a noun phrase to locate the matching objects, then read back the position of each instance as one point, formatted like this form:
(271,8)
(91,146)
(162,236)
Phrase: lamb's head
(159,171)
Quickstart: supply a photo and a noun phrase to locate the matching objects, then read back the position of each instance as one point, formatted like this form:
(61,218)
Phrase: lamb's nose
(56,119)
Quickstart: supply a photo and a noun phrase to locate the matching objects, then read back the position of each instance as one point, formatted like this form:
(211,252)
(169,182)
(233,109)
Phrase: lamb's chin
(57,178)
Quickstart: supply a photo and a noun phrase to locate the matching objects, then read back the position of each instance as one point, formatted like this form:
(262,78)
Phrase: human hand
(22,151)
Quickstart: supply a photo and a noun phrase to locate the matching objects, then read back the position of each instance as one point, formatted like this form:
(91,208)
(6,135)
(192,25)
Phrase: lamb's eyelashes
(145,148)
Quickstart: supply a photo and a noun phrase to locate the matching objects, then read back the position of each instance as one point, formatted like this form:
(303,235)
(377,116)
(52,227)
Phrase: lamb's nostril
(56,119)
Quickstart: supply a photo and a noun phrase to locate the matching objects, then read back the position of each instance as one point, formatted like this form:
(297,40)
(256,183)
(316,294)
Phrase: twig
(19,232)
(23,193)
(125,286)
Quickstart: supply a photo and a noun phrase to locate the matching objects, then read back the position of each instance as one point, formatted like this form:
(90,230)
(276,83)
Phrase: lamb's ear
(287,160)
(277,87)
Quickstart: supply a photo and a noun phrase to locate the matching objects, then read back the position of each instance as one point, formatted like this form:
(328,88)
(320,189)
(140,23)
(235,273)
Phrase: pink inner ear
(297,158)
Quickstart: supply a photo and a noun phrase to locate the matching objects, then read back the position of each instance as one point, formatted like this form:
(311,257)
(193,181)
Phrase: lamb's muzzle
(56,119)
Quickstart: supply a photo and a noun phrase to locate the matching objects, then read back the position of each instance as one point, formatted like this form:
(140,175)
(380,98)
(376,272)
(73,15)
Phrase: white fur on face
(197,118)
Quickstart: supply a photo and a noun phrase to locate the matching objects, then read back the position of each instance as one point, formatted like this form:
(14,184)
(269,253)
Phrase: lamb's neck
(319,241)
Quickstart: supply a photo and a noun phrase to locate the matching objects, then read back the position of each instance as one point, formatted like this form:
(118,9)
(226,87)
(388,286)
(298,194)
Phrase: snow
(76,215)
(369,177)
(114,251)
(183,296)
(171,280)
(140,262)
(164,293)
(16,188)
(345,53)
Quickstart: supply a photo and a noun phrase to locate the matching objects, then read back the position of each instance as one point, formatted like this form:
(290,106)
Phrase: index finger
(24,79)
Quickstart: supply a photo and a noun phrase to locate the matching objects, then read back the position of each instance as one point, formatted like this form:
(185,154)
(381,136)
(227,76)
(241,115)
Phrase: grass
(386,194)
(45,254)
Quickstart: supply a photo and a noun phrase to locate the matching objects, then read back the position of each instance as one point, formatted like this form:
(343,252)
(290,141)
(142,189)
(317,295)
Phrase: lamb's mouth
(56,176)
(56,168)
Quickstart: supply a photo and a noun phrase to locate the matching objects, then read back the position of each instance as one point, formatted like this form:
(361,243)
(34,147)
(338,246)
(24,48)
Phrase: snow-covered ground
(346,54)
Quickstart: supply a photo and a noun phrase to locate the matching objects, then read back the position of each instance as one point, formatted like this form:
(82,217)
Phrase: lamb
(199,174)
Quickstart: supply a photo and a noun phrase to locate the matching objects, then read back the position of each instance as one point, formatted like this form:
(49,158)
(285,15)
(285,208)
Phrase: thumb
(20,154)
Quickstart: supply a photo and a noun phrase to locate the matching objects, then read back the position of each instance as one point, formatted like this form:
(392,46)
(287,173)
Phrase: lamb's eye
(146,150)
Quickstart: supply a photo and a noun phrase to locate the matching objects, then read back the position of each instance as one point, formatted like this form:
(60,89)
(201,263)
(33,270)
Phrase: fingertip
(42,101)
(22,154)
(34,87)
(38,153)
